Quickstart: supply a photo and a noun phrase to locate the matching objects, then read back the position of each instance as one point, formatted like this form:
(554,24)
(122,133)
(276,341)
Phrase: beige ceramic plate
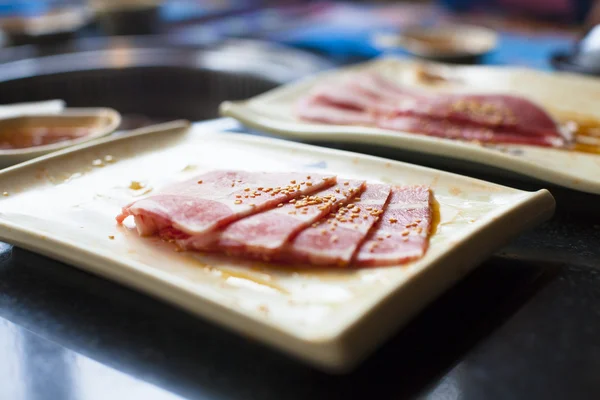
(563,95)
(99,121)
(63,205)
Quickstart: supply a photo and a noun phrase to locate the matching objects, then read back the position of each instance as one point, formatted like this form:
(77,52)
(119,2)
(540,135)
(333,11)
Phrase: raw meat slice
(509,112)
(402,233)
(312,109)
(334,240)
(200,205)
(263,235)
(346,96)
(464,131)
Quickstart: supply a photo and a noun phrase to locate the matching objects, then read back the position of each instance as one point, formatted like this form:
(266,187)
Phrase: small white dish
(64,205)
(447,43)
(98,122)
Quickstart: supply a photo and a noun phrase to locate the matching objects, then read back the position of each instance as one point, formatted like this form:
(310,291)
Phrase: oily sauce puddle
(585,130)
(27,137)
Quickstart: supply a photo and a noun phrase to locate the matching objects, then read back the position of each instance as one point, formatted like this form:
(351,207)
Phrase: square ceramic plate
(64,206)
(565,96)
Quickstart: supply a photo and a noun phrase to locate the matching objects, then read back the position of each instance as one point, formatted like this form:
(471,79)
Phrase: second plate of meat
(540,125)
(318,252)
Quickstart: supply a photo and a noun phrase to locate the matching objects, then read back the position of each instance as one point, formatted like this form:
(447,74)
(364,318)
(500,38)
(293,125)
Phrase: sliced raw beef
(402,233)
(207,202)
(334,240)
(264,235)
(317,110)
(493,111)
(370,99)
(464,131)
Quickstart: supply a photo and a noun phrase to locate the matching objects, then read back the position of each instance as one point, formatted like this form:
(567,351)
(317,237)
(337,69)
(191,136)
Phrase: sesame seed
(239,196)
(111,237)
(417,220)
(199,182)
(346,183)
(259,188)
(405,233)
(238,202)
(393,220)
(247,189)
(293,182)
(334,238)
(5,194)
(308,177)
(280,205)
(308,184)
(233,184)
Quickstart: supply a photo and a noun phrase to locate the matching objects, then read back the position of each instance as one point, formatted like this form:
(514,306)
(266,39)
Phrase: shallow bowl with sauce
(451,43)
(25,137)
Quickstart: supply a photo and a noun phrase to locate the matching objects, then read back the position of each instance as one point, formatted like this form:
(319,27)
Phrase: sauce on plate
(26,137)
(585,130)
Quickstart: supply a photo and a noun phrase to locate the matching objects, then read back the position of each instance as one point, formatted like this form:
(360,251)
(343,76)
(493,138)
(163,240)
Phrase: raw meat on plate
(334,240)
(402,233)
(265,234)
(369,99)
(199,206)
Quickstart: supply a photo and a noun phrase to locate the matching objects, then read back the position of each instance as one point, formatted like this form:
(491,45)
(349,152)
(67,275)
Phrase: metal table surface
(525,325)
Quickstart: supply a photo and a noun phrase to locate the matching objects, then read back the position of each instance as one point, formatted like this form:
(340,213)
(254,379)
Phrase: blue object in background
(578,8)
(23,7)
